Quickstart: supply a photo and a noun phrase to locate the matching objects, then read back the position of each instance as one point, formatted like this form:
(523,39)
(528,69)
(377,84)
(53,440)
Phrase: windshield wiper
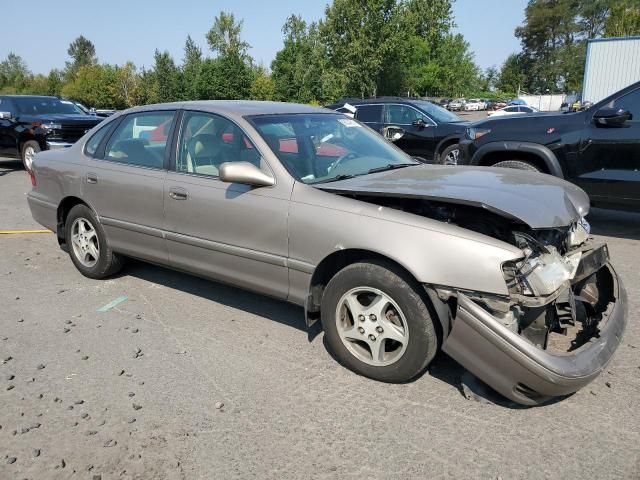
(335,179)
(391,166)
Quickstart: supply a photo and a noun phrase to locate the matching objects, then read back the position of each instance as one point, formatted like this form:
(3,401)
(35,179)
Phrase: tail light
(32,175)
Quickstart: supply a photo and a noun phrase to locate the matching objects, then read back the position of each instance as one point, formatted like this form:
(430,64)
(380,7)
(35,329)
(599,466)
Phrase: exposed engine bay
(560,290)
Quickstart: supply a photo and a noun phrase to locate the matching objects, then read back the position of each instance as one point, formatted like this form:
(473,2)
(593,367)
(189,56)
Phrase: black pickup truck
(598,148)
(29,124)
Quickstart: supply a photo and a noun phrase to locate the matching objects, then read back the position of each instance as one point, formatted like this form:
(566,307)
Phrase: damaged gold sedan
(396,258)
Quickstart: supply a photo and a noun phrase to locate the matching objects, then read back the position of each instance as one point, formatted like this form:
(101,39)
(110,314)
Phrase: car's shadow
(273,309)
(615,223)
(9,165)
(442,368)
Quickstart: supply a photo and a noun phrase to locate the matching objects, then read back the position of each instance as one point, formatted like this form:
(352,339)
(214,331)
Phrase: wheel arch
(26,136)
(336,261)
(446,142)
(64,207)
(539,155)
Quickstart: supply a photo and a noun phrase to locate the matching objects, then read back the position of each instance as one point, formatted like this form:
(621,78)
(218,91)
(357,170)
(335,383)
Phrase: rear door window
(141,139)
(369,113)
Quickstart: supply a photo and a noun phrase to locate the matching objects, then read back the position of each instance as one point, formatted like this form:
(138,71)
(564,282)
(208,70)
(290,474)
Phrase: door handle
(92,178)
(178,194)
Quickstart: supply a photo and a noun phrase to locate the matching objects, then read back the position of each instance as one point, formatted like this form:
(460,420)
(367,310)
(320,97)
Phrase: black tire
(422,342)
(448,151)
(517,164)
(108,262)
(28,146)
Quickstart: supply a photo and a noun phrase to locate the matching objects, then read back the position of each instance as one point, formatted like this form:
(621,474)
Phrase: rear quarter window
(91,147)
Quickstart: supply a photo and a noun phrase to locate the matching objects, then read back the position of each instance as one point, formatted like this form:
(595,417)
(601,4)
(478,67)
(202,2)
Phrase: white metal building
(612,64)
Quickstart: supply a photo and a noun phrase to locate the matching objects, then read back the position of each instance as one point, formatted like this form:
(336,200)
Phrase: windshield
(320,147)
(437,113)
(46,106)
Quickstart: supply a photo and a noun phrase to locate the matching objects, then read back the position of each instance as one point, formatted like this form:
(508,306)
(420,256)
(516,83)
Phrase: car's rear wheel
(518,164)
(450,155)
(376,322)
(29,150)
(88,246)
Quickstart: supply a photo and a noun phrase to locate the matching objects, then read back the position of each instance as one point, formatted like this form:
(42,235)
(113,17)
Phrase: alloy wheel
(84,241)
(452,157)
(29,154)
(372,326)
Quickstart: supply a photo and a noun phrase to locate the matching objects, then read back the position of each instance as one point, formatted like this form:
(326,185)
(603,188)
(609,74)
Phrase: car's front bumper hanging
(519,370)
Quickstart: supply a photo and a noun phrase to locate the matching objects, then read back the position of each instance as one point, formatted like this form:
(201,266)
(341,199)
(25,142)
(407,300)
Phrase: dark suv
(420,128)
(29,124)
(597,149)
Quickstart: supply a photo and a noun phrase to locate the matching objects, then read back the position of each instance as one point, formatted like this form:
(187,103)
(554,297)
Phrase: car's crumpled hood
(538,200)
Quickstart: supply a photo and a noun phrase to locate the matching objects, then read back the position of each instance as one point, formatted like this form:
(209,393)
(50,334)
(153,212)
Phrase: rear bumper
(521,371)
(43,212)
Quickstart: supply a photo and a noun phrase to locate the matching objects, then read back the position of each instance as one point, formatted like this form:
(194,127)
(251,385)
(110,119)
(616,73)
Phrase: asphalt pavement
(155,374)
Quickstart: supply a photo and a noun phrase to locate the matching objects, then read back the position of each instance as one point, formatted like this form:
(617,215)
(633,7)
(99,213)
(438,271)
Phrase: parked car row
(471,105)
(420,128)
(395,258)
(596,147)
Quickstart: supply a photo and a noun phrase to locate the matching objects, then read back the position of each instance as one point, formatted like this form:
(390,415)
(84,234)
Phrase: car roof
(364,101)
(29,96)
(237,108)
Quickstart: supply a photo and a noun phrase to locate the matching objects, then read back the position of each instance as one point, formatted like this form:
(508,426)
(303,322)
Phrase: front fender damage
(530,347)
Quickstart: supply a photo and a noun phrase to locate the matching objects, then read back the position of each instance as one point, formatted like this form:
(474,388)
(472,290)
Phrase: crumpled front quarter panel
(322,223)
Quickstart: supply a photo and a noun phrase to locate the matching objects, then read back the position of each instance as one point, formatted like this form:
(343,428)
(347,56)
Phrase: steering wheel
(338,162)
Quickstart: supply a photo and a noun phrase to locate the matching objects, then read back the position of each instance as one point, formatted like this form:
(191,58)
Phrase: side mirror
(244,172)
(611,117)
(393,133)
(5,116)
(420,123)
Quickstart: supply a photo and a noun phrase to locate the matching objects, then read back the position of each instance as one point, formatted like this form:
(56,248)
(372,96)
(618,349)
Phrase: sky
(124,30)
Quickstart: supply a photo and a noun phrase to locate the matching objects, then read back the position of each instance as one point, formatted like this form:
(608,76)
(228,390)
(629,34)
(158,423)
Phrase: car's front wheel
(517,164)
(29,151)
(88,246)
(376,322)
(450,155)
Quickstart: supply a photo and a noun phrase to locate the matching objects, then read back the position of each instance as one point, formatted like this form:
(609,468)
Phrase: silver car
(396,258)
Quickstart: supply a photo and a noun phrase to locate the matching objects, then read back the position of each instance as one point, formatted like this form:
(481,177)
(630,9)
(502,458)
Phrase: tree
(82,53)
(165,81)
(263,87)
(295,69)
(512,74)
(14,72)
(223,78)
(224,37)
(624,19)
(230,74)
(447,68)
(55,82)
(555,33)
(93,85)
(191,64)
(362,40)
(489,79)
(126,86)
